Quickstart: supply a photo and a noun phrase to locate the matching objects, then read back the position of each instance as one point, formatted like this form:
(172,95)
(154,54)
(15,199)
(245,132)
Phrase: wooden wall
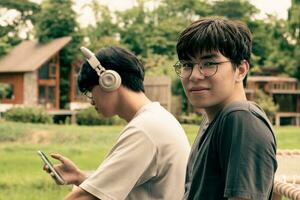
(15,79)
(159,89)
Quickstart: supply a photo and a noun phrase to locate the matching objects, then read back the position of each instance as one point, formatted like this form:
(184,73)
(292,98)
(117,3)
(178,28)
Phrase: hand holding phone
(47,162)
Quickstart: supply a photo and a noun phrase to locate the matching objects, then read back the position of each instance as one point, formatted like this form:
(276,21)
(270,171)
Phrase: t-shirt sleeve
(247,156)
(125,167)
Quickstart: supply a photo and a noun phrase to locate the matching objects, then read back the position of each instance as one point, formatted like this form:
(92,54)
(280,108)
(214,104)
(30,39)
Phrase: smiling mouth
(199,90)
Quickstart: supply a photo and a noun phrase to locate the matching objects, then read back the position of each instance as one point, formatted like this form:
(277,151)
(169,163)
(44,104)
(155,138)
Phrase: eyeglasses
(184,68)
(88,94)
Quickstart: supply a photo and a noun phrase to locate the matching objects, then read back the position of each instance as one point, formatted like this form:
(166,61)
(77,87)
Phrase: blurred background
(41,107)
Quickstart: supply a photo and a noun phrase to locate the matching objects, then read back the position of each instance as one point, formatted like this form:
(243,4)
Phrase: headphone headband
(109,80)
(92,60)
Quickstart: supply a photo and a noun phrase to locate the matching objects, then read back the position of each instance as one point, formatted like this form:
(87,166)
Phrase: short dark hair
(230,37)
(118,59)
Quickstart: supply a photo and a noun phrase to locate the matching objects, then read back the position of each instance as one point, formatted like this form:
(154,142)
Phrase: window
(44,71)
(6,91)
(48,70)
(52,70)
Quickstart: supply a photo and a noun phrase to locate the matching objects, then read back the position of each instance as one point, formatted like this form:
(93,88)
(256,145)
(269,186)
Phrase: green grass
(21,174)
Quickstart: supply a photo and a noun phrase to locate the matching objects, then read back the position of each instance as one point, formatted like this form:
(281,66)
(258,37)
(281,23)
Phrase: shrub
(266,103)
(27,114)
(192,118)
(90,116)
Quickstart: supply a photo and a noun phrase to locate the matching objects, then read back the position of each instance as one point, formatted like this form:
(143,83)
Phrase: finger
(46,168)
(55,179)
(58,157)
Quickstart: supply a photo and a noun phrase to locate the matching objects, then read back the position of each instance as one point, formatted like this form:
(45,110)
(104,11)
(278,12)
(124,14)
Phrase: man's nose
(196,74)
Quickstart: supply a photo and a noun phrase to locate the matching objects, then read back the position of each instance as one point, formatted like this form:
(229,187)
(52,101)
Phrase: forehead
(207,55)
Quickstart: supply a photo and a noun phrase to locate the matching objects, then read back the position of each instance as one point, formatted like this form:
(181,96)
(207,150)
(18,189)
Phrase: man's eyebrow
(208,56)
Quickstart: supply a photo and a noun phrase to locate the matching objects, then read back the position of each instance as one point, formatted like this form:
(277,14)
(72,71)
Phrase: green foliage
(266,103)
(90,116)
(192,118)
(3,90)
(27,114)
(10,29)
(177,90)
(57,19)
(234,9)
(159,65)
(105,32)
(294,19)
(294,29)
(22,177)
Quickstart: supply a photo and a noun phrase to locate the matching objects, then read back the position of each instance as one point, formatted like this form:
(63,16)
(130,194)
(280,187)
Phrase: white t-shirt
(147,162)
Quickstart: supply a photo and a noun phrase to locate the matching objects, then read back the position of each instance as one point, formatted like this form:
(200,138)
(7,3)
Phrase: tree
(134,29)
(10,29)
(294,28)
(3,90)
(271,47)
(105,32)
(266,103)
(234,9)
(57,19)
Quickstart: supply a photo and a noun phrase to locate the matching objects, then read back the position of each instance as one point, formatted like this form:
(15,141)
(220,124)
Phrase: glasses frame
(88,94)
(200,68)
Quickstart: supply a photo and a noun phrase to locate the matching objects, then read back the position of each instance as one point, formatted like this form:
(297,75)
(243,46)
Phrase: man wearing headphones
(148,160)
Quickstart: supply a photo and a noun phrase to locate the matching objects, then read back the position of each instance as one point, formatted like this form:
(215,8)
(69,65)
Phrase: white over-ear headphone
(109,80)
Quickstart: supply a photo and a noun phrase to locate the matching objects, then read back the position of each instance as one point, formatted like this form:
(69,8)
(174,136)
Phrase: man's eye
(188,65)
(209,64)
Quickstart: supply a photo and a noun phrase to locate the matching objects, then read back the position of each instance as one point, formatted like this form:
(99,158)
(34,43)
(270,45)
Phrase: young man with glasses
(149,158)
(234,154)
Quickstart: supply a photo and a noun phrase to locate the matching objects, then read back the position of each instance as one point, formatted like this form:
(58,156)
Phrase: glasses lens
(208,70)
(183,69)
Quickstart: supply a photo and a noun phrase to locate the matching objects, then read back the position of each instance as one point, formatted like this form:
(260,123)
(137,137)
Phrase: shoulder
(247,120)
(155,119)
(239,112)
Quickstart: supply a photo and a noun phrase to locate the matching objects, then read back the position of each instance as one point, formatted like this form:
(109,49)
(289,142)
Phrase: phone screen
(51,168)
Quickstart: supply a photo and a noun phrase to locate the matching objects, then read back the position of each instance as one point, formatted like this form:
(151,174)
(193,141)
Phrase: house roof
(30,55)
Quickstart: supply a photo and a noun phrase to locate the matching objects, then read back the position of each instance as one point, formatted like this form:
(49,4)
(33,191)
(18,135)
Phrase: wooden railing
(288,185)
(283,87)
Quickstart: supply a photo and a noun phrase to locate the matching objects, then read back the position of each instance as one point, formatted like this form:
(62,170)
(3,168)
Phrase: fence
(159,89)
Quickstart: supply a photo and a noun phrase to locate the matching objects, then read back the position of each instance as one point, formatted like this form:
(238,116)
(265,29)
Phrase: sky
(275,7)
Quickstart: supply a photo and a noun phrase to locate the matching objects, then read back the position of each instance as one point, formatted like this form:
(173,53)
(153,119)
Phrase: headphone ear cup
(109,80)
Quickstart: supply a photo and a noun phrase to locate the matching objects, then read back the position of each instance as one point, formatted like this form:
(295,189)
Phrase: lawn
(21,175)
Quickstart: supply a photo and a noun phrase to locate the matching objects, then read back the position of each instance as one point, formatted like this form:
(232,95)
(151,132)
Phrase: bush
(266,103)
(90,116)
(192,118)
(27,114)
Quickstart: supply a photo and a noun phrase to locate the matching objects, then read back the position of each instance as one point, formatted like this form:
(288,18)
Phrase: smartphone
(51,168)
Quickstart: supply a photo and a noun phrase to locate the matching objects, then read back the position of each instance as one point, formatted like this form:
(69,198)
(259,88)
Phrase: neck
(238,96)
(131,103)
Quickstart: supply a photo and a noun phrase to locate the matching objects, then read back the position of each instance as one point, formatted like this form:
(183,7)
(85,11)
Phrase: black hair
(130,69)
(231,38)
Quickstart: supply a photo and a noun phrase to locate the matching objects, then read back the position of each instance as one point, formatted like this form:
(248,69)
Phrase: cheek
(223,85)
(184,84)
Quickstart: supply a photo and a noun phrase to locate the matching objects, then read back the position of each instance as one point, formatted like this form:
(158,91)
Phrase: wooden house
(285,92)
(31,71)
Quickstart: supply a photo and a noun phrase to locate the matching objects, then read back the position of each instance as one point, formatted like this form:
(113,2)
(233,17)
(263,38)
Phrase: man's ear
(242,70)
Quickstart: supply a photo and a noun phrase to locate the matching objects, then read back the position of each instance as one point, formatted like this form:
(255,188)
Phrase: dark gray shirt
(234,156)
